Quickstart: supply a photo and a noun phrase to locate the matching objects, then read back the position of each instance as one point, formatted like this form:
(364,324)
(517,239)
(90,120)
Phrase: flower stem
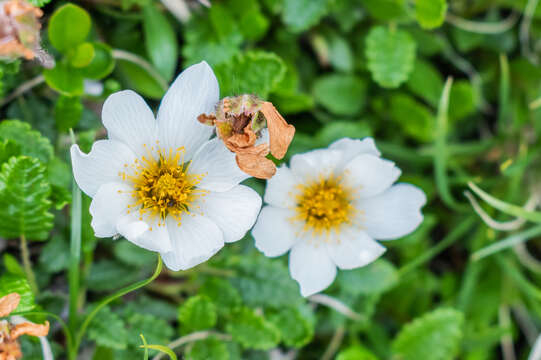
(75,256)
(107,300)
(28,265)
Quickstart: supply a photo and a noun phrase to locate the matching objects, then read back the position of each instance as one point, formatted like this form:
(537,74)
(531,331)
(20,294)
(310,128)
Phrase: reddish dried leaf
(280,132)
(257,166)
(9,303)
(31,329)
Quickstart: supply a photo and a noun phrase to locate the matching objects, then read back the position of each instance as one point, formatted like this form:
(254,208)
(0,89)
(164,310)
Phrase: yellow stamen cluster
(162,185)
(324,205)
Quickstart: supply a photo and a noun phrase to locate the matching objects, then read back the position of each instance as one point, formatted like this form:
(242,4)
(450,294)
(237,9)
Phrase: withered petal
(257,166)
(207,119)
(280,132)
(31,329)
(9,303)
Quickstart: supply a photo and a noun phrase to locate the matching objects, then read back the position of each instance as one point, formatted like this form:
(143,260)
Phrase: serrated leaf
(263,282)
(390,54)
(8,148)
(12,265)
(31,142)
(299,15)
(155,330)
(222,293)
(24,199)
(108,329)
(296,329)
(197,313)
(434,336)
(430,14)
(254,72)
(340,94)
(252,330)
(251,21)
(208,349)
(10,283)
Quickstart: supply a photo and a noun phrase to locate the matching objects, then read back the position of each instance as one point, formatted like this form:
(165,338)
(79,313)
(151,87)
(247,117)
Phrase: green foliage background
(456,288)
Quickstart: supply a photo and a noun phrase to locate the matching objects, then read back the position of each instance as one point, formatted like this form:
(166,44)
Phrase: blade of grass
(503,112)
(506,243)
(505,207)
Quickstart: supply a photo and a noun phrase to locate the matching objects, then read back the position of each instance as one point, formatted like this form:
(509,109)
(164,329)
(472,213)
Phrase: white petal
(129,119)
(234,211)
(145,232)
(274,234)
(195,241)
(280,189)
(352,147)
(101,166)
(354,249)
(109,203)
(314,164)
(370,175)
(393,214)
(195,91)
(312,267)
(219,166)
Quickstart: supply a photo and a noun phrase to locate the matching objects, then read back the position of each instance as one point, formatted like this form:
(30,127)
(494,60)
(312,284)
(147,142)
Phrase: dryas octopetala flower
(9,332)
(161,183)
(330,206)
(19,32)
(242,123)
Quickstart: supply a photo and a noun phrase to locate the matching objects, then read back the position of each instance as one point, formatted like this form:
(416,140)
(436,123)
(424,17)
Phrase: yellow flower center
(162,185)
(324,205)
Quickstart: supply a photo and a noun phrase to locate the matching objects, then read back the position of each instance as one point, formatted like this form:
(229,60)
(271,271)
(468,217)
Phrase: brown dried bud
(19,32)
(31,329)
(239,121)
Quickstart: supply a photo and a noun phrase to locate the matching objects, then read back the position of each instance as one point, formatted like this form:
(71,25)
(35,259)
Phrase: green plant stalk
(452,237)
(25,254)
(75,256)
(519,279)
(506,243)
(107,300)
(504,93)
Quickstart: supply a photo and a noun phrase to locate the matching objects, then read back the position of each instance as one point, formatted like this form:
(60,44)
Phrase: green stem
(75,256)
(506,243)
(452,237)
(107,300)
(28,265)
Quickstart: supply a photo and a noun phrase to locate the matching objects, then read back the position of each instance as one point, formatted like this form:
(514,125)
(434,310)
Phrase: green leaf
(197,313)
(462,100)
(67,112)
(140,80)
(420,122)
(435,335)
(386,9)
(222,293)
(256,72)
(155,330)
(12,265)
(69,26)
(163,349)
(251,21)
(252,330)
(82,55)
(24,203)
(296,329)
(374,278)
(335,130)
(64,79)
(356,352)
(39,3)
(109,275)
(426,82)
(8,148)
(160,41)
(207,349)
(30,142)
(299,15)
(54,256)
(430,14)
(133,255)
(390,54)
(340,94)
(102,63)
(263,282)
(108,329)
(10,283)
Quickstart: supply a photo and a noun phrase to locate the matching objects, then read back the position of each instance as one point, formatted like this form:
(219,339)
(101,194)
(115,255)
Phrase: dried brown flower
(239,122)
(9,333)
(19,32)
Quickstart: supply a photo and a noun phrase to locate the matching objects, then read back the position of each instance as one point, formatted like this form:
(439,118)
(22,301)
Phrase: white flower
(161,183)
(329,208)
